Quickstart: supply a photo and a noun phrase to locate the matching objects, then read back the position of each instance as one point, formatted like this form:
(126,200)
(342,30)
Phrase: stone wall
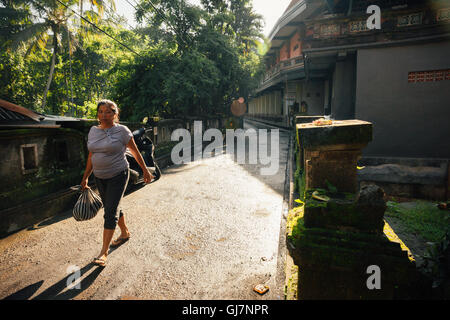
(55,158)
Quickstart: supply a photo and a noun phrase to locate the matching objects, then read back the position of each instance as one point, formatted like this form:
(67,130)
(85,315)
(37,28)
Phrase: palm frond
(12,13)
(102,4)
(41,42)
(30,33)
(92,16)
(69,39)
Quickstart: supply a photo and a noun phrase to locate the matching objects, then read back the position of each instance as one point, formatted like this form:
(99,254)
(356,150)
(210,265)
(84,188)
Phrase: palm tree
(50,26)
(247,24)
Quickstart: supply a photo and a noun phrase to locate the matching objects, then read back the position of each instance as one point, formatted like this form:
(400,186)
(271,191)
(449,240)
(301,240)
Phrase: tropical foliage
(61,56)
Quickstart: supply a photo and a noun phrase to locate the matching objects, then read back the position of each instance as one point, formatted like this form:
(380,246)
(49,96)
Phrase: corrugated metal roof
(7,115)
(51,117)
(13,111)
(12,115)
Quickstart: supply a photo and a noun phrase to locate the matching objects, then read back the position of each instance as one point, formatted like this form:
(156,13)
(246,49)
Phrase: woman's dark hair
(111,104)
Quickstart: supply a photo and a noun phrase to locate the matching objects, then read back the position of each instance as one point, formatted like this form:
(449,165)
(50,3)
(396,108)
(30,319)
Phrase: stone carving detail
(443,14)
(357,26)
(410,20)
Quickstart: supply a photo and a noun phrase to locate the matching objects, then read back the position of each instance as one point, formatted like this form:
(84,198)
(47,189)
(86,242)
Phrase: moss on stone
(311,203)
(298,172)
(340,212)
(295,225)
(335,249)
(301,182)
(36,188)
(354,133)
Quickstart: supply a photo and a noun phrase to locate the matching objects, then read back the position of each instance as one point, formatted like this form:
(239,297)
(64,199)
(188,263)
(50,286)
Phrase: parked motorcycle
(146,147)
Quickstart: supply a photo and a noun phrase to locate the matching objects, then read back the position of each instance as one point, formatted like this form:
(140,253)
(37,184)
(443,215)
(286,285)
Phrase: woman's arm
(87,172)
(148,177)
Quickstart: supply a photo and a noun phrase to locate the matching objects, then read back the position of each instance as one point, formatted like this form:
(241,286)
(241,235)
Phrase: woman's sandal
(99,262)
(119,241)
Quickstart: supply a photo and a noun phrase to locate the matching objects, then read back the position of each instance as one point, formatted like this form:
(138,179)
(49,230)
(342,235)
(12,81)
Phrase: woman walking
(107,144)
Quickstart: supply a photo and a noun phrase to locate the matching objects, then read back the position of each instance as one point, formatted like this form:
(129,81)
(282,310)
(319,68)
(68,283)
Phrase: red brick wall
(284,51)
(295,45)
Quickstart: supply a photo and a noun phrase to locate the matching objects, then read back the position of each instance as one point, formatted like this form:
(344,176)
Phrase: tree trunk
(52,69)
(81,11)
(49,80)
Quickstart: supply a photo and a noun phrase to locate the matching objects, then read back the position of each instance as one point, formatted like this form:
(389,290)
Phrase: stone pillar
(331,152)
(304,119)
(260,109)
(277,103)
(272,103)
(339,238)
(344,82)
(266,104)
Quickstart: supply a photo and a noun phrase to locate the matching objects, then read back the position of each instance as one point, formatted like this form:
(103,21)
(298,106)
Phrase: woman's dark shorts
(111,191)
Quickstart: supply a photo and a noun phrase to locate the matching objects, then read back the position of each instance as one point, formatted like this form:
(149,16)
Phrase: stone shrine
(340,238)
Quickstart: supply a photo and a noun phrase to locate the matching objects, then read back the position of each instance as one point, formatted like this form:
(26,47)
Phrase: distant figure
(296,107)
(107,144)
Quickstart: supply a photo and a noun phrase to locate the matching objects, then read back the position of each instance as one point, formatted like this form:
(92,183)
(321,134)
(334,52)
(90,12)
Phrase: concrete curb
(282,273)
(269,123)
(283,253)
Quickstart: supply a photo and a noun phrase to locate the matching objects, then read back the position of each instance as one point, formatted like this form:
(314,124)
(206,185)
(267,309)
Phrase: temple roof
(291,4)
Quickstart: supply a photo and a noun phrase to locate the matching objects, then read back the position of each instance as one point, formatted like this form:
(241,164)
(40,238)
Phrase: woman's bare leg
(107,237)
(123,228)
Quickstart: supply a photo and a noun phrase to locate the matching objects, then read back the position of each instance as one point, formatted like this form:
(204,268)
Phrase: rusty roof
(13,112)
(7,115)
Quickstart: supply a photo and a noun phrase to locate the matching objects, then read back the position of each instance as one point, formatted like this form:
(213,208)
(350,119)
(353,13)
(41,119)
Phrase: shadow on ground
(49,221)
(56,291)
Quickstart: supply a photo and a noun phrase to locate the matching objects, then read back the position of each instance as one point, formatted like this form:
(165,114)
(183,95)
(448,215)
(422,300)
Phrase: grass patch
(423,219)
